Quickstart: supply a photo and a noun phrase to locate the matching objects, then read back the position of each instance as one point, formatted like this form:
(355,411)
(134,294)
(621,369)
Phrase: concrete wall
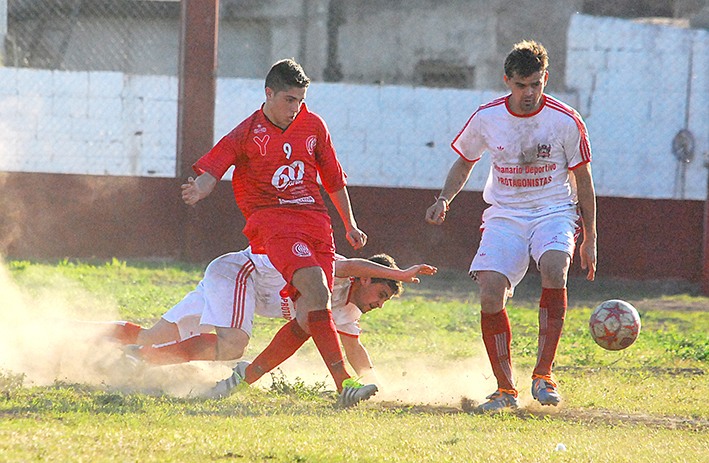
(378,40)
(381,41)
(631,81)
(638,85)
(99,123)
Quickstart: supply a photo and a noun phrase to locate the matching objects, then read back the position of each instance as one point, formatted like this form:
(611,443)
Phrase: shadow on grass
(585,416)
(458,285)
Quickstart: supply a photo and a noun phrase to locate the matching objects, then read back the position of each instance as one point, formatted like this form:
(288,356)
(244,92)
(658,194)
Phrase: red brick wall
(53,216)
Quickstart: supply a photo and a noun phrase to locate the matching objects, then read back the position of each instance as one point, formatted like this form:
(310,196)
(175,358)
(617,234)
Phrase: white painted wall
(629,82)
(99,123)
(636,90)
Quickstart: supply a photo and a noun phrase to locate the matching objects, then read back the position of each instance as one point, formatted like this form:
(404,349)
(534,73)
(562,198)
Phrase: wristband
(446,202)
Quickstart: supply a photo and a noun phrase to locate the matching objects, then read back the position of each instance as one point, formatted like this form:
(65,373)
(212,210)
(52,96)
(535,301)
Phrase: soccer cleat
(133,362)
(499,400)
(224,387)
(354,392)
(133,356)
(544,390)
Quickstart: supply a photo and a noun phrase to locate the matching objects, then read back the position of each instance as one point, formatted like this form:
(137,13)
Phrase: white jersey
(240,284)
(530,155)
(276,304)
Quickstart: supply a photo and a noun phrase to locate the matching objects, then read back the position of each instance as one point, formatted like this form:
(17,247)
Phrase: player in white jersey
(539,186)
(238,285)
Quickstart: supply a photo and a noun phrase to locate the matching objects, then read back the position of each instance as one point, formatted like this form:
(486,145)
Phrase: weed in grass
(297,387)
(9,382)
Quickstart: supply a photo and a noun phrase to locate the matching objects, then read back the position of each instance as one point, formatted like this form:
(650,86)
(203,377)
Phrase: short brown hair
(285,74)
(526,58)
(387,261)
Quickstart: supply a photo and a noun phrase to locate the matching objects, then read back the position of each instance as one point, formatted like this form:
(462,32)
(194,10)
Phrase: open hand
(410,274)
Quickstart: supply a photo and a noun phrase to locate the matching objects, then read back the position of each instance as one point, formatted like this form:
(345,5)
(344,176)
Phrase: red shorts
(289,253)
(294,240)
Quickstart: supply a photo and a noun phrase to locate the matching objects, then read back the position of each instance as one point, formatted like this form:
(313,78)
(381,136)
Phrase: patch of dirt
(584,416)
(654,370)
(608,417)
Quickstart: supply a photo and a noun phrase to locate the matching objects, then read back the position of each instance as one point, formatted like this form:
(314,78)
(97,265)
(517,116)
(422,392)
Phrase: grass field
(63,398)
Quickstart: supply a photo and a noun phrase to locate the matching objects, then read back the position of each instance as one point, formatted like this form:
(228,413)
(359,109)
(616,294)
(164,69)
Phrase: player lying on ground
(238,285)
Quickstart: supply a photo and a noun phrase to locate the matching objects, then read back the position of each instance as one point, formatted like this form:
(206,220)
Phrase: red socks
(291,337)
(283,345)
(125,332)
(324,335)
(496,336)
(552,310)
(200,347)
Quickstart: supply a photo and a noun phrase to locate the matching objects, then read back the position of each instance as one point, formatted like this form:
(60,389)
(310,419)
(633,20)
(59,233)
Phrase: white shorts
(227,295)
(510,239)
(238,285)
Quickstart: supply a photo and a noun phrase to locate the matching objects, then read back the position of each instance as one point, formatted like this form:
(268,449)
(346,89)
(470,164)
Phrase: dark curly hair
(525,59)
(387,261)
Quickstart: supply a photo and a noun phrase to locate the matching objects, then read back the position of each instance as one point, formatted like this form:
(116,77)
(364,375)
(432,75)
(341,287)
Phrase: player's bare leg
(311,283)
(231,343)
(160,333)
(494,289)
(554,267)
(227,344)
(496,332)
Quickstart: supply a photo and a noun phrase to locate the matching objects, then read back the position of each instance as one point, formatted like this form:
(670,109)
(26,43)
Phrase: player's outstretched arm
(196,189)
(360,268)
(358,357)
(587,205)
(341,200)
(457,177)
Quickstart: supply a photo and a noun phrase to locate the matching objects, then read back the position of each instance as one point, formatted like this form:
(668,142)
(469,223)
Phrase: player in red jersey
(539,186)
(277,154)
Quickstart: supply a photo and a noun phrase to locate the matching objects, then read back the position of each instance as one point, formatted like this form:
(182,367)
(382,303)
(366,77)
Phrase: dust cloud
(47,338)
(413,381)
(42,338)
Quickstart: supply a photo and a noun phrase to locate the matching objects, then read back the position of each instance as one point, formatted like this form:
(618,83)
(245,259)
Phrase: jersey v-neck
(278,126)
(507,105)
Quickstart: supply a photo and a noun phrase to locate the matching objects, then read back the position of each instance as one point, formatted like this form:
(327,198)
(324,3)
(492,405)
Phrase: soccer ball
(614,324)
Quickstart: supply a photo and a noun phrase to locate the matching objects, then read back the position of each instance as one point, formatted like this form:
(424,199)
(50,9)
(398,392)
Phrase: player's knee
(553,276)
(492,301)
(226,351)
(554,268)
(312,285)
(493,291)
(316,296)
(231,343)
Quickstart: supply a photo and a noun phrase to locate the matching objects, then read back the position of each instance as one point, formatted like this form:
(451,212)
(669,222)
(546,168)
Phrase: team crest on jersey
(543,151)
(310,144)
(301,249)
(261,143)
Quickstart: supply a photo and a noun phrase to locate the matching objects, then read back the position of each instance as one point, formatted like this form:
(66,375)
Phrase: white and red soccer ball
(614,324)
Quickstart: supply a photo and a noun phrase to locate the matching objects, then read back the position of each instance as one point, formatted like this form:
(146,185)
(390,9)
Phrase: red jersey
(276,168)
